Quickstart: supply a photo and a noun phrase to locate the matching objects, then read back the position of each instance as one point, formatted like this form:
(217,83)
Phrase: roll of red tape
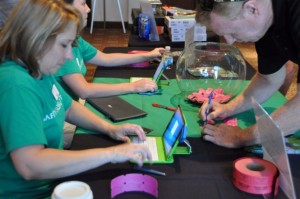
(255,176)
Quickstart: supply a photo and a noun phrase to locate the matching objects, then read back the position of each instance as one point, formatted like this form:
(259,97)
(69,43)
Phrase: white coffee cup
(72,190)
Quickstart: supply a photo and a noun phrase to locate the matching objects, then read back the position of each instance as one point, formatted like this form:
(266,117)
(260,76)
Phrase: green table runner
(157,118)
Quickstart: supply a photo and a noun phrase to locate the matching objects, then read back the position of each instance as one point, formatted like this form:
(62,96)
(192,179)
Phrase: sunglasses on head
(208,5)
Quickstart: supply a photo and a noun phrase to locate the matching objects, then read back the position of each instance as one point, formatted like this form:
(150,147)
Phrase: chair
(93,15)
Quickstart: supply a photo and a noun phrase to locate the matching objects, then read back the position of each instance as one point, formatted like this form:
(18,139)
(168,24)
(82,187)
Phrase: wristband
(134,182)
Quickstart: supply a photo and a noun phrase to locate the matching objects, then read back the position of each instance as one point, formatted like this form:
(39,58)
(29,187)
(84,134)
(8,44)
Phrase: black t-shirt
(282,41)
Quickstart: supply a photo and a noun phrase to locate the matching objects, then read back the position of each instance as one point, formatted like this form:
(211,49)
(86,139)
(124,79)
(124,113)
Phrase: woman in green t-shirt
(72,73)
(35,41)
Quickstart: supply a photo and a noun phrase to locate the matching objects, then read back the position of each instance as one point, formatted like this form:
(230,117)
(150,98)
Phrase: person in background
(34,106)
(71,75)
(5,7)
(274,27)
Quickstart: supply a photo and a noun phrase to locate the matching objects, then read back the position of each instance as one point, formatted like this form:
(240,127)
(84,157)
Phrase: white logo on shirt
(79,63)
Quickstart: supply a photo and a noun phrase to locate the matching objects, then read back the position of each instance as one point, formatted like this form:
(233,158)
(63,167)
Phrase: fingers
(140,132)
(202,110)
(223,135)
(144,85)
(208,130)
(214,112)
(134,129)
(142,155)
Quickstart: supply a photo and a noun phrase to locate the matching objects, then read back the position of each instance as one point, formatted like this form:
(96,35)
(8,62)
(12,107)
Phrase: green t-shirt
(32,112)
(81,54)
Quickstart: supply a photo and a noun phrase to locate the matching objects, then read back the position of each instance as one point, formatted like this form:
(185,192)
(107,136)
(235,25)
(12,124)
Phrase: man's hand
(229,136)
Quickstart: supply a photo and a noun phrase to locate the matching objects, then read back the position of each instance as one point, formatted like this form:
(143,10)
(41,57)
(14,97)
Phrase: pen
(152,171)
(208,106)
(165,107)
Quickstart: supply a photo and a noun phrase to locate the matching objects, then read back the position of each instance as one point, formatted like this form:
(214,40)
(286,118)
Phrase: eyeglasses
(208,5)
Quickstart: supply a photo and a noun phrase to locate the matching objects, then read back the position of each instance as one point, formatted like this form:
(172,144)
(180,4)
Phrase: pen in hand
(208,107)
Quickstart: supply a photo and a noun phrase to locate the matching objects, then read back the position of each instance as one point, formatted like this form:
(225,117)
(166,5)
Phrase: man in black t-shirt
(274,26)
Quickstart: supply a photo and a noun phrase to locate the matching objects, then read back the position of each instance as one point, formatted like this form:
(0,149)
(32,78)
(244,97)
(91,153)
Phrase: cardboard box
(179,22)
(173,31)
(168,10)
(177,37)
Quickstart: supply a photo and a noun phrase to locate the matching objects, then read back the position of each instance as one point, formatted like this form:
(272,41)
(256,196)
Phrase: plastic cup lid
(72,190)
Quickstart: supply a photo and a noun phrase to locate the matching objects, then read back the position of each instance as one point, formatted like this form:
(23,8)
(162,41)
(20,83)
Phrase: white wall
(112,11)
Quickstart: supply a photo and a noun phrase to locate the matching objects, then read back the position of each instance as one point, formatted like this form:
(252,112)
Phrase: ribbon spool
(134,182)
(255,176)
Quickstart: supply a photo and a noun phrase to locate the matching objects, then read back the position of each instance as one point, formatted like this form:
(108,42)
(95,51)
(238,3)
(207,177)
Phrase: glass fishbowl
(210,66)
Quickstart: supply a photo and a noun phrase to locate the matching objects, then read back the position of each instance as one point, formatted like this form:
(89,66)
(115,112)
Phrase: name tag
(55,92)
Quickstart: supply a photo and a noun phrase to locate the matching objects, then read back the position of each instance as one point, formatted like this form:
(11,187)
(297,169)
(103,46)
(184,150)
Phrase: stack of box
(168,10)
(195,33)
(177,26)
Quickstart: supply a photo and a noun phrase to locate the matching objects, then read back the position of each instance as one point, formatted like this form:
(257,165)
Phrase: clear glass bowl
(210,65)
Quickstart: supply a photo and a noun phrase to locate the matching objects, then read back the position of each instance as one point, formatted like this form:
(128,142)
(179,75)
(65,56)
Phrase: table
(164,39)
(206,172)
(122,72)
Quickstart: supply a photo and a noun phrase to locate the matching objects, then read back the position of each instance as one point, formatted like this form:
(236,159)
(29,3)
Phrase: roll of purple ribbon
(134,182)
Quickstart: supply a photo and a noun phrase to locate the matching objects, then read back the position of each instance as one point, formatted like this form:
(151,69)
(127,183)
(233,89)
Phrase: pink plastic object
(141,64)
(203,95)
(134,182)
(231,121)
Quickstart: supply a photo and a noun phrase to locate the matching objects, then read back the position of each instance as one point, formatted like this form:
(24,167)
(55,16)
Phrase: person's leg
(290,72)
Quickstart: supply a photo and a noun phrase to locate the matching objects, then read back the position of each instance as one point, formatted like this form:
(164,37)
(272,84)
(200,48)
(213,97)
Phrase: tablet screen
(159,71)
(173,131)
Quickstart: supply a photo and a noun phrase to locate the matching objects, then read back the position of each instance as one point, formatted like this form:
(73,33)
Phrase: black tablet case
(115,108)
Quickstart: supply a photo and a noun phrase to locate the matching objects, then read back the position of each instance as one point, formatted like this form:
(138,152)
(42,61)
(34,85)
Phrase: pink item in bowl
(141,64)
(202,95)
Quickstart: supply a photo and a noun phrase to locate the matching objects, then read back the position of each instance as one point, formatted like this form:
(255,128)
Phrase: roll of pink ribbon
(134,182)
(255,176)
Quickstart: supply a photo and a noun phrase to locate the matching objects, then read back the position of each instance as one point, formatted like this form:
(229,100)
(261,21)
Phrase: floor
(102,38)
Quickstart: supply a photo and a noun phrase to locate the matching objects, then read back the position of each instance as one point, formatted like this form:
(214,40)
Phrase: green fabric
(30,114)
(157,118)
(81,54)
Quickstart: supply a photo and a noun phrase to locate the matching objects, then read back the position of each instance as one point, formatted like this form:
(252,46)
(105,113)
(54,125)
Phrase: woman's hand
(156,54)
(144,85)
(120,132)
(137,153)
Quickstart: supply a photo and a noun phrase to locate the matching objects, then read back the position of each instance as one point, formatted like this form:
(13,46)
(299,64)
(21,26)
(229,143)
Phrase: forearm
(118,59)
(287,116)
(49,163)
(103,90)
(84,118)
(260,88)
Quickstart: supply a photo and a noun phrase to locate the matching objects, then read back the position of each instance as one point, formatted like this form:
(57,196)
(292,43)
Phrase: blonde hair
(31,29)
(230,10)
